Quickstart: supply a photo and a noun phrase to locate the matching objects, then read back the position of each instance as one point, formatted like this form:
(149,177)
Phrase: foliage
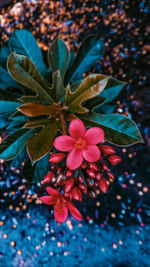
(33,110)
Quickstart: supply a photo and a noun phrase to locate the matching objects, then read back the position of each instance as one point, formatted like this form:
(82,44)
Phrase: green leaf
(42,168)
(17,161)
(24,43)
(4,54)
(8,101)
(18,116)
(35,173)
(8,106)
(6,80)
(14,143)
(58,85)
(112,89)
(90,87)
(118,129)
(36,122)
(89,54)
(95,102)
(58,57)
(106,108)
(75,85)
(40,145)
(4,120)
(15,125)
(23,71)
(72,58)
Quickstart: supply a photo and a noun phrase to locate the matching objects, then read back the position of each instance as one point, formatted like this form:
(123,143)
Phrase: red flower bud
(110,175)
(69,185)
(98,176)
(83,166)
(80,177)
(83,188)
(93,167)
(56,158)
(91,173)
(69,173)
(60,179)
(103,186)
(48,177)
(108,150)
(105,167)
(76,194)
(114,160)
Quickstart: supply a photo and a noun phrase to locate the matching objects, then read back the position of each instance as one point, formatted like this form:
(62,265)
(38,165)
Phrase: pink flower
(81,144)
(61,205)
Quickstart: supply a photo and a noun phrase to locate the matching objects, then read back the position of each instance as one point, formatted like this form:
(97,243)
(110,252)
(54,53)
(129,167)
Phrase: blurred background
(116,226)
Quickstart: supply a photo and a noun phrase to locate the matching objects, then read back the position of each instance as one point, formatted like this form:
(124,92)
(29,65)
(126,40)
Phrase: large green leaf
(112,89)
(8,106)
(4,121)
(8,102)
(58,57)
(6,80)
(90,87)
(40,145)
(58,85)
(89,54)
(24,43)
(106,108)
(118,129)
(23,71)
(4,54)
(19,159)
(14,143)
(15,125)
(95,102)
(8,96)
(18,116)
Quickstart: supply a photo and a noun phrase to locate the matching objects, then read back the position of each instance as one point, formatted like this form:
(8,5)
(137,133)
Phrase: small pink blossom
(80,144)
(61,205)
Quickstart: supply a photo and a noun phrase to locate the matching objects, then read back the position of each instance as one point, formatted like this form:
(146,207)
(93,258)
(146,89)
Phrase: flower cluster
(83,169)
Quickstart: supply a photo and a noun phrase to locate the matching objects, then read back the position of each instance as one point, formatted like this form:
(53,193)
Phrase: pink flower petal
(60,215)
(94,135)
(91,153)
(74,211)
(48,200)
(52,191)
(74,159)
(64,143)
(77,128)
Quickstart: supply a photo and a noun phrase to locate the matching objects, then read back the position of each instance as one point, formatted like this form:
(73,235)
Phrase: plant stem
(64,128)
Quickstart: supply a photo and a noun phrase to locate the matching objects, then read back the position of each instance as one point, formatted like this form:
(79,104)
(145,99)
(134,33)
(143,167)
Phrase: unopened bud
(108,150)
(103,186)
(76,194)
(93,167)
(91,173)
(83,188)
(69,185)
(48,177)
(56,158)
(114,160)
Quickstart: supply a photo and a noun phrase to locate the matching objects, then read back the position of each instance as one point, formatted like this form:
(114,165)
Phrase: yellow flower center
(80,143)
(60,204)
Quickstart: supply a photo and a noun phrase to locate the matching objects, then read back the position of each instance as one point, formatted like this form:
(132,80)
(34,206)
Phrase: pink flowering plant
(56,120)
